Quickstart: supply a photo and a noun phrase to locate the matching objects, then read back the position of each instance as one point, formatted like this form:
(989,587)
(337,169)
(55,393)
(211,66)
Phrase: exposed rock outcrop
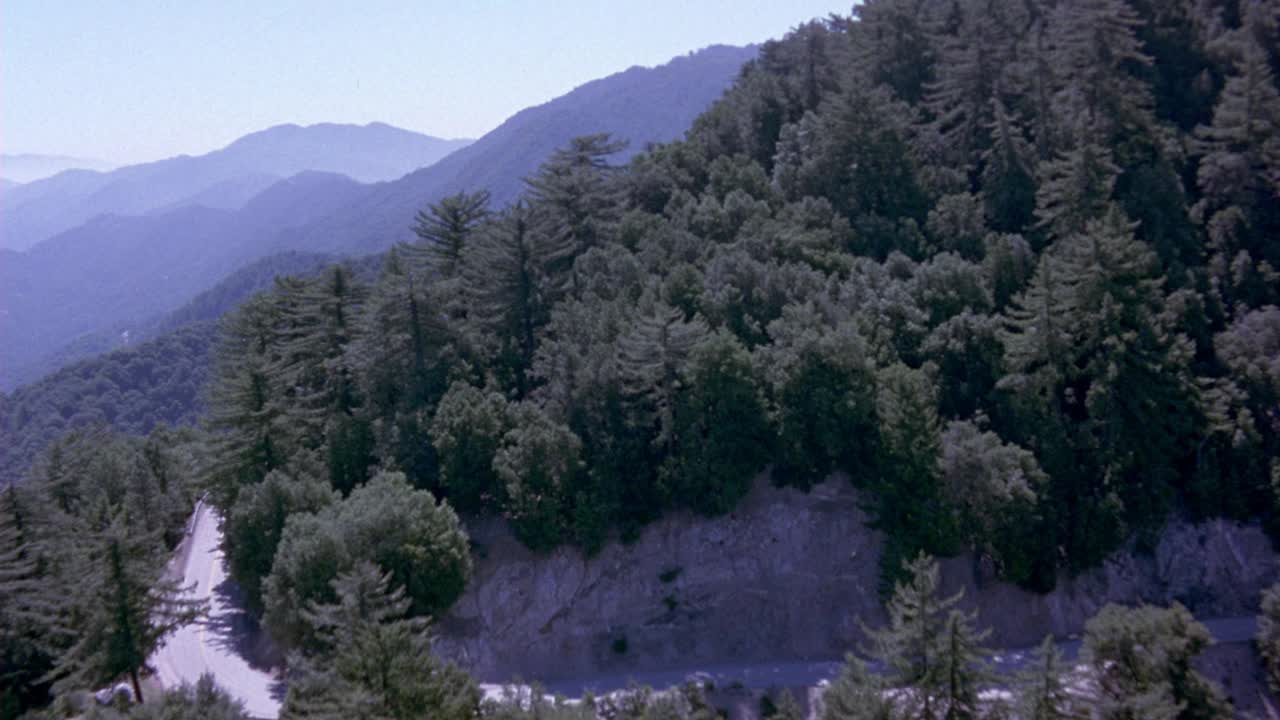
(786,576)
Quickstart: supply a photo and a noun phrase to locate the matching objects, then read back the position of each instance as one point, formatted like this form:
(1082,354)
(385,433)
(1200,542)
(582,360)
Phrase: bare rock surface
(787,576)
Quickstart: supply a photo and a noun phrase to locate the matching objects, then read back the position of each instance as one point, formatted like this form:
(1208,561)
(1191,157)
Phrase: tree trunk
(137,686)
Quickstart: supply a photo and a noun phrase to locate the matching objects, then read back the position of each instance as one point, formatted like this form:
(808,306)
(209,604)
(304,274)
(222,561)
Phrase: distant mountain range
(224,178)
(27,167)
(79,293)
(641,105)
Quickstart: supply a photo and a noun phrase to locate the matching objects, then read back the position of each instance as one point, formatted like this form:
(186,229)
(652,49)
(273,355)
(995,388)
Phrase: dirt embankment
(788,576)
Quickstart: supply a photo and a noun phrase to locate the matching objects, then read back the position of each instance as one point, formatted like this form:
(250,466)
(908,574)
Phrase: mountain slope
(27,167)
(114,272)
(368,153)
(641,105)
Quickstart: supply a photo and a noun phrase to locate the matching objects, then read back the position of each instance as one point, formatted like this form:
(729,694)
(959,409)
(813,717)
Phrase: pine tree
(1268,638)
(1074,189)
(404,353)
(857,694)
(1008,178)
(29,608)
(651,357)
(443,230)
(1239,176)
(1240,151)
(576,200)
(926,648)
(909,503)
(373,661)
(509,282)
(1095,49)
(125,606)
(1042,688)
(963,667)
(248,437)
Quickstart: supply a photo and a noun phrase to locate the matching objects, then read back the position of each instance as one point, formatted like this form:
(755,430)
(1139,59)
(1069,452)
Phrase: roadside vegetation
(1009,265)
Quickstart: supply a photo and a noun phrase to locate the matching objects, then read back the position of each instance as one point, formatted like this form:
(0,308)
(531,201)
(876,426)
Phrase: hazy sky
(134,80)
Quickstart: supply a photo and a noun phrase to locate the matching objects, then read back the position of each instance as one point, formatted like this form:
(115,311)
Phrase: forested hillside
(1007,264)
(156,376)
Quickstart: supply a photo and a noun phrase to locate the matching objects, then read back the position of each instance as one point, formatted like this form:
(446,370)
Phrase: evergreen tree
(1239,176)
(909,503)
(248,438)
(405,353)
(574,196)
(318,320)
(443,230)
(1268,639)
(928,646)
(1097,55)
(651,358)
(1043,689)
(857,694)
(1074,189)
(124,608)
(27,609)
(373,661)
(508,275)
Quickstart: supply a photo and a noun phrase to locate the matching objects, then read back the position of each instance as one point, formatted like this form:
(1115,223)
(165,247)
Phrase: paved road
(808,674)
(218,645)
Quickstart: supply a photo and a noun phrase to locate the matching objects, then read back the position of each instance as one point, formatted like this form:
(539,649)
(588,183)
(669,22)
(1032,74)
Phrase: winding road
(222,644)
(219,645)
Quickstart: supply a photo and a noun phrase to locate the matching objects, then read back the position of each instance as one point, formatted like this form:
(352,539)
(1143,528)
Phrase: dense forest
(1008,265)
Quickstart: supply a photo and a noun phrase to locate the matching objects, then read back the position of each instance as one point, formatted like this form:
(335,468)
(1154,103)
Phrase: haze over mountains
(225,178)
(180,225)
(28,167)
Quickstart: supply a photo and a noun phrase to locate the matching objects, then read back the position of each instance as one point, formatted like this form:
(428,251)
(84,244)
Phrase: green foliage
(121,609)
(134,390)
(467,431)
(371,660)
(386,522)
(445,227)
(857,694)
(1043,687)
(252,530)
(204,701)
(721,427)
(537,463)
(1007,265)
(931,649)
(1141,659)
(1268,639)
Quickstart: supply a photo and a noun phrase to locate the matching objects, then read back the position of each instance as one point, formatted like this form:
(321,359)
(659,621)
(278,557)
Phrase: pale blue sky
(134,80)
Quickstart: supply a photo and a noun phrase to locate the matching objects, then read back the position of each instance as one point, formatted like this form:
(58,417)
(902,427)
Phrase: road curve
(216,644)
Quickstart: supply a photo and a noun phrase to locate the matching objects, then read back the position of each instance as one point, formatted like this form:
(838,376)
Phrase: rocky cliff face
(787,576)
